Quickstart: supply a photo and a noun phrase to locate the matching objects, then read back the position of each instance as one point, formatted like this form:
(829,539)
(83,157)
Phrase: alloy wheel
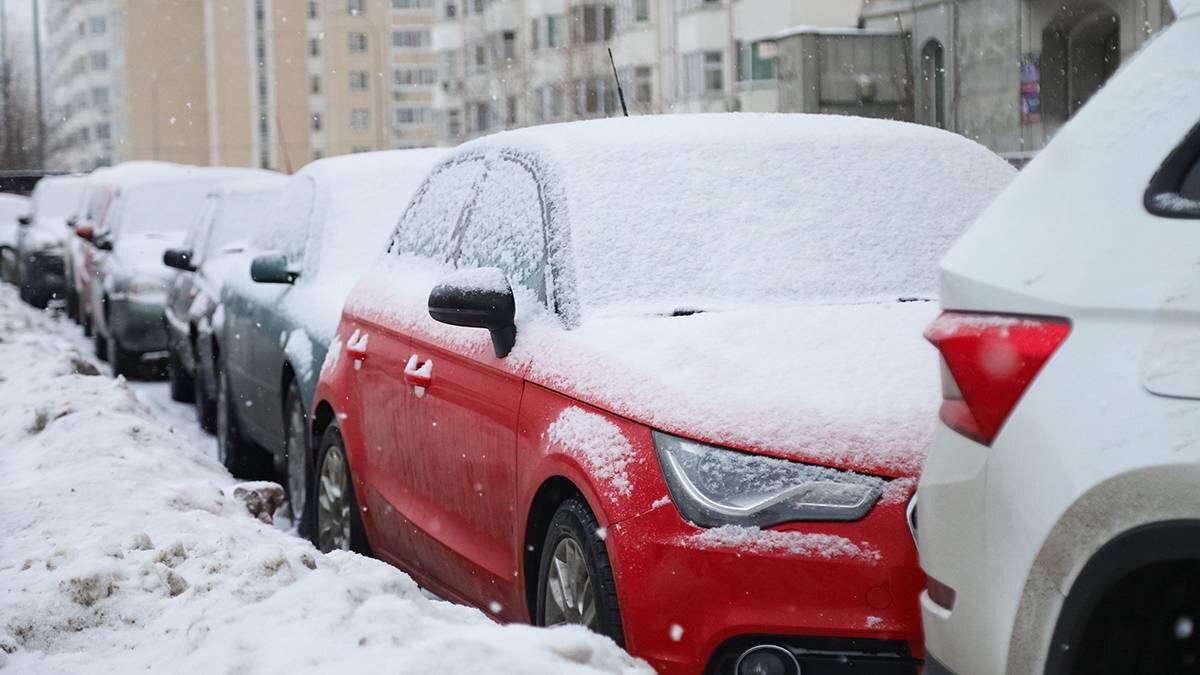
(569,591)
(333,503)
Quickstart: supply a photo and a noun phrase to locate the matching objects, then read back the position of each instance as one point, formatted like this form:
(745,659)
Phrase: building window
(314,46)
(98,25)
(641,10)
(643,88)
(103,131)
(312,9)
(358,43)
(448,64)
(510,107)
(509,39)
(356,7)
(314,84)
(360,119)
(410,39)
(316,121)
(592,22)
(359,80)
(751,65)
(412,4)
(414,77)
(453,123)
(933,85)
(100,96)
(408,116)
(479,58)
(546,32)
(688,5)
(479,116)
(99,61)
(450,9)
(702,73)
(594,96)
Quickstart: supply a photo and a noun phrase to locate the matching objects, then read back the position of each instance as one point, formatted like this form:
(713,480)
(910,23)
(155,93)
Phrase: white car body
(1105,442)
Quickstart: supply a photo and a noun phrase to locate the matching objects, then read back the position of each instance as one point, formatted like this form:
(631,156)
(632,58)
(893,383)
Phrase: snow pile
(125,549)
(781,542)
(597,443)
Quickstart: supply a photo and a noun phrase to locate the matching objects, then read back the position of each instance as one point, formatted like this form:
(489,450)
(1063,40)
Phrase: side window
(198,235)
(427,228)
(287,230)
(1174,191)
(505,227)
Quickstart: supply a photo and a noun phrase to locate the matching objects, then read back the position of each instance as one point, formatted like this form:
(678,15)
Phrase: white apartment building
(513,63)
(85,98)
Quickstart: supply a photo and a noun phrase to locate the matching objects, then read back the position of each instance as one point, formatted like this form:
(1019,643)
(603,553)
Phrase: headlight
(714,486)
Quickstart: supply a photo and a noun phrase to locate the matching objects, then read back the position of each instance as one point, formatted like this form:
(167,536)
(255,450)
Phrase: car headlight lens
(715,486)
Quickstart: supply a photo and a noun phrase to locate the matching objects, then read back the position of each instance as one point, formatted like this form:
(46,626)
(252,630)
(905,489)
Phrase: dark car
(215,249)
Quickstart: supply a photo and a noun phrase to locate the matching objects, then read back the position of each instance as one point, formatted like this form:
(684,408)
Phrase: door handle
(418,375)
(356,347)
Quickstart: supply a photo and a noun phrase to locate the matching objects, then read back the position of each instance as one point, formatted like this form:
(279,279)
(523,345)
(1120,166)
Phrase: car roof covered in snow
(750,208)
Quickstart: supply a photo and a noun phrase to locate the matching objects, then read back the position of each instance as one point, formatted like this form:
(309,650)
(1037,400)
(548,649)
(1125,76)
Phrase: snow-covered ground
(125,548)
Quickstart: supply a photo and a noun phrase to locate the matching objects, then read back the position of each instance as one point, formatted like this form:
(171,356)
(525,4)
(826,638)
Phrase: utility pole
(37,61)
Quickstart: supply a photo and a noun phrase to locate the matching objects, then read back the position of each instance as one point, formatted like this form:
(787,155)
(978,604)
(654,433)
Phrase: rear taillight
(988,361)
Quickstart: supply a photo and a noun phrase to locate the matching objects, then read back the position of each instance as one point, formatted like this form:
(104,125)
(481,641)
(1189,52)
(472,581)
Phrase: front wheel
(575,579)
(338,524)
(123,362)
(232,450)
(181,383)
(298,458)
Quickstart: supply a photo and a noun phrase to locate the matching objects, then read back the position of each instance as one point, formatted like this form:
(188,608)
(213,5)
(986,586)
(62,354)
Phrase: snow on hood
(124,550)
(850,386)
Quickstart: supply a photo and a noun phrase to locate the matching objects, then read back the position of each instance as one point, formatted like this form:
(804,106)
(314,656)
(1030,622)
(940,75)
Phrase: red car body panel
(446,481)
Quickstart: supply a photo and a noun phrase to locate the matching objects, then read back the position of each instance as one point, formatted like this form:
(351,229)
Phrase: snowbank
(125,549)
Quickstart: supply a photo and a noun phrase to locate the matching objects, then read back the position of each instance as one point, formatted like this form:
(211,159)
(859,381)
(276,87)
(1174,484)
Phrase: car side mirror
(72,222)
(180,259)
(478,298)
(103,242)
(85,232)
(25,220)
(272,268)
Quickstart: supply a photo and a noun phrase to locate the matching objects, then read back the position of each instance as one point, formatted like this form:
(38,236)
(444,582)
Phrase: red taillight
(988,361)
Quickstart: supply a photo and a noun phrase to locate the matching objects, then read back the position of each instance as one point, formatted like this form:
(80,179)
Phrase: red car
(662,377)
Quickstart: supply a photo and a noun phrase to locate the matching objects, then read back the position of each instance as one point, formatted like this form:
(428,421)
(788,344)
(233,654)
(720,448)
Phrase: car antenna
(620,92)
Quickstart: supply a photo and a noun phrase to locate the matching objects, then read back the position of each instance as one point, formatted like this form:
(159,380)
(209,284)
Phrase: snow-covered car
(41,238)
(12,208)
(103,186)
(275,324)
(1057,518)
(129,282)
(694,419)
(234,217)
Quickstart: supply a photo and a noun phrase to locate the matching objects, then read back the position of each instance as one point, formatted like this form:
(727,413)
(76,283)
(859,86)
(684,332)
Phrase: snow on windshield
(58,197)
(703,211)
(162,207)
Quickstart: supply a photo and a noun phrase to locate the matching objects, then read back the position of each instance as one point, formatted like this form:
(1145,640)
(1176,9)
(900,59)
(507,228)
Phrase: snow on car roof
(719,210)
(57,196)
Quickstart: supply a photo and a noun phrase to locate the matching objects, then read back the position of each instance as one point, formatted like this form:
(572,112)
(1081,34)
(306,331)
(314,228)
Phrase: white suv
(1058,515)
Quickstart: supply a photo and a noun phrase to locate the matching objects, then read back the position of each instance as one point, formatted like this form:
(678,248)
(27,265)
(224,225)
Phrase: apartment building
(265,83)
(512,63)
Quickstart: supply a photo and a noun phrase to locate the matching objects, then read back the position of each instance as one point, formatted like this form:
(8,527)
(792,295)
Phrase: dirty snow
(597,443)
(127,548)
(781,542)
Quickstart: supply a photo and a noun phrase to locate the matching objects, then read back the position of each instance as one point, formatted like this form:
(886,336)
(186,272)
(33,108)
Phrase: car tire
(123,362)
(101,346)
(72,305)
(337,522)
(573,548)
(183,388)
(85,320)
(297,458)
(206,407)
(233,451)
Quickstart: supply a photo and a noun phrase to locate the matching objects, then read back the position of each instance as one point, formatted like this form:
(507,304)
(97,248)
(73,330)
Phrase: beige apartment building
(265,83)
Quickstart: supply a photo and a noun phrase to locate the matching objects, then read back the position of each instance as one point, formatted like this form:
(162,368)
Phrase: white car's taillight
(988,361)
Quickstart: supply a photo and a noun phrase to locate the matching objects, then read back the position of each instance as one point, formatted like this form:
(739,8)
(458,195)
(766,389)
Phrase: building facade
(1010,73)
(264,83)
(512,63)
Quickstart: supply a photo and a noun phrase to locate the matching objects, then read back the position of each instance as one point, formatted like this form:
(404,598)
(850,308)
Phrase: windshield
(239,220)
(58,198)
(162,208)
(801,210)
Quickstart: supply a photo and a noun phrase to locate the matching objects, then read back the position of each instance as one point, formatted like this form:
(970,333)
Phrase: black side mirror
(103,242)
(25,220)
(478,298)
(72,222)
(272,268)
(180,259)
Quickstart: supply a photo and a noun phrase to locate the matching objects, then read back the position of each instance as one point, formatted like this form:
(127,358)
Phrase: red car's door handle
(356,346)
(418,375)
